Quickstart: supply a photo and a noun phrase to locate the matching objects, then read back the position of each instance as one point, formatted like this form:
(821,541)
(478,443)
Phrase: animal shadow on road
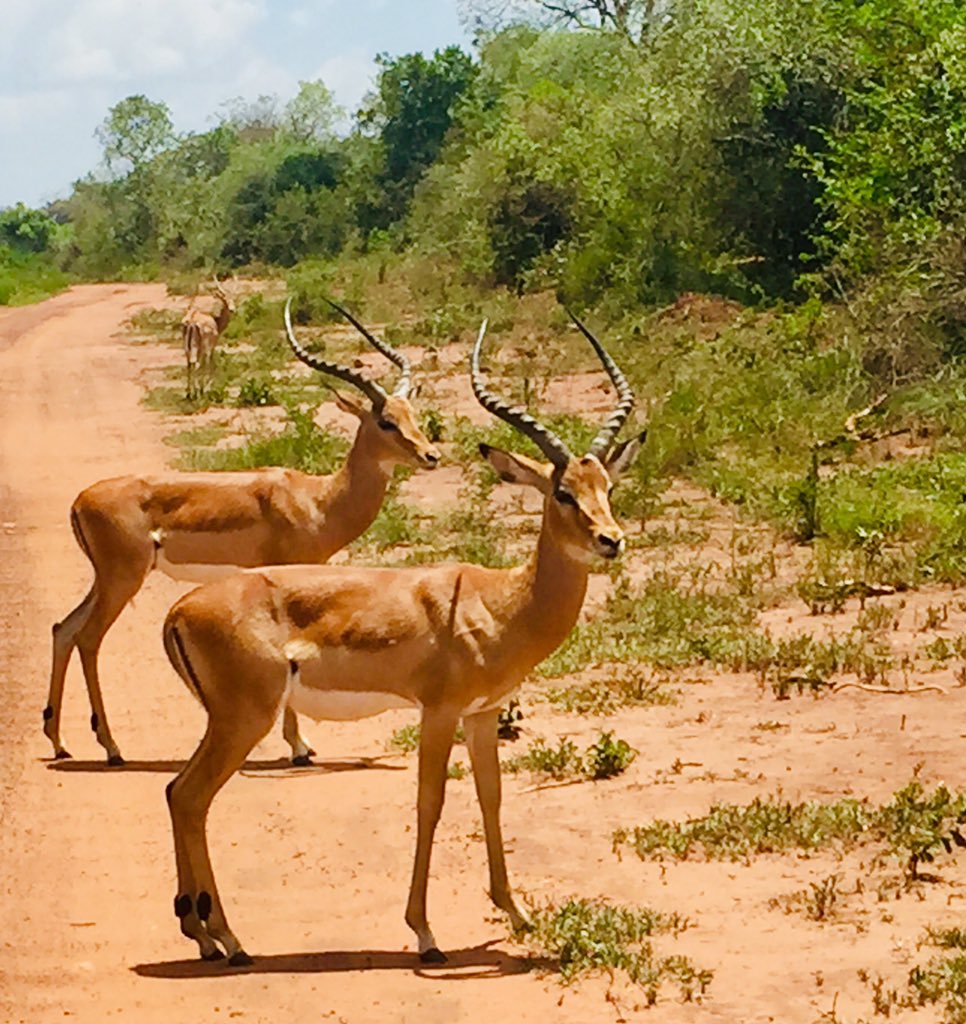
(462,964)
(274,768)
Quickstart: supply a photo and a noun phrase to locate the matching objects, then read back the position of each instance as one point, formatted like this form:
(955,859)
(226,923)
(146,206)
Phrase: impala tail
(174,646)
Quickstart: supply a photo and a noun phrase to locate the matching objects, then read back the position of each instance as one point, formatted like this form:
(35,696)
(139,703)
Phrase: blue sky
(63,63)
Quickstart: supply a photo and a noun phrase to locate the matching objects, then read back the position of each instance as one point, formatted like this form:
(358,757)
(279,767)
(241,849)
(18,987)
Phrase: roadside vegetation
(592,936)
(915,827)
(761,208)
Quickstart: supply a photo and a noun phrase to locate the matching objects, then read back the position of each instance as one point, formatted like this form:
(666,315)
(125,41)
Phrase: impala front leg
(435,743)
(481,742)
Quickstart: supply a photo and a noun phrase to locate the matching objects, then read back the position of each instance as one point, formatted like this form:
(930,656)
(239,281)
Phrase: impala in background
(199,334)
(198,526)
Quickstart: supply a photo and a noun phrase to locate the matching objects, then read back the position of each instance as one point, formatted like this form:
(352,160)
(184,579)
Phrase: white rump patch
(300,650)
(340,705)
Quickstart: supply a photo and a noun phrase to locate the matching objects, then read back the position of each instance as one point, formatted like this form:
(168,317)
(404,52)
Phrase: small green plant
(254,393)
(404,740)
(917,824)
(608,757)
(603,759)
(560,762)
(457,770)
(585,936)
(433,423)
(821,898)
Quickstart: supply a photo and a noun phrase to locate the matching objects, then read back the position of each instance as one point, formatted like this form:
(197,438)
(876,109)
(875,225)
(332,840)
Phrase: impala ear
(619,459)
(350,404)
(518,469)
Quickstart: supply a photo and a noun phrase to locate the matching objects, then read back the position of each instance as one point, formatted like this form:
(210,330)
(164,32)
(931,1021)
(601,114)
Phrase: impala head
(389,419)
(576,488)
(220,292)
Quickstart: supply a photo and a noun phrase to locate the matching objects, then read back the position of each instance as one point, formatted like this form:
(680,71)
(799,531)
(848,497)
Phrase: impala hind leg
(109,602)
(222,751)
(435,743)
(301,751)
(64,642)
(481,743)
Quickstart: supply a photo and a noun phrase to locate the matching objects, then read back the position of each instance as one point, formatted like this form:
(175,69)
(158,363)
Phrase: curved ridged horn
(369,388)
(393,355)
(625,396)
(548,442)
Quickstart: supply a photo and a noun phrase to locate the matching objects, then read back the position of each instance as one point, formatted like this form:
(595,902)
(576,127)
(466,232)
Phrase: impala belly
(204,557)
(342,705)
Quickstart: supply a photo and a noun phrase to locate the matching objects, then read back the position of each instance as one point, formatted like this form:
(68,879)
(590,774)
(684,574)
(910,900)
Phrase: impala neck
(223,316)
(355,493)
(556,585)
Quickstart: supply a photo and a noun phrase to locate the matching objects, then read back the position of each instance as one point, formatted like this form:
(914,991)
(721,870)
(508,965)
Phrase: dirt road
(314,864)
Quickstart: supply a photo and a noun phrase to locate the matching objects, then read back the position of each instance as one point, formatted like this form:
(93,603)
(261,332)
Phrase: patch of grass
(805,663)
(914,825)
(28,277)
(254,392)
(163,321)
(396,523)
(605,758)
(405,740)
(560,762)
(197,437)
(943,979)
(586,936)
(301,445)
(766,825)
(635,686)
(664,623)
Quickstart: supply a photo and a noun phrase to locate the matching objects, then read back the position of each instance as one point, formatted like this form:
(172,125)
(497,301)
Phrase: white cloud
(349,77)
(116,41)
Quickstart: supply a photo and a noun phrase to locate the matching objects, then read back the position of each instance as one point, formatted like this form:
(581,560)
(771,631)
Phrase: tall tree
(311,114)
(411,113)
(135,130)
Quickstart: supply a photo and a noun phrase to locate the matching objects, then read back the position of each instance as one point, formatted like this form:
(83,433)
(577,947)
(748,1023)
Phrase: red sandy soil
(314,863)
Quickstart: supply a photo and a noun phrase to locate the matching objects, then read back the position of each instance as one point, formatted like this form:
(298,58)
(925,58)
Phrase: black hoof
(115,761)
(62,755)
(215,954)
(240,959)
(433,956)
(303,760)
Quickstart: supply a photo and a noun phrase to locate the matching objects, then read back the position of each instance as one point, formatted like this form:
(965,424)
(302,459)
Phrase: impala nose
(610,547)
(431,459)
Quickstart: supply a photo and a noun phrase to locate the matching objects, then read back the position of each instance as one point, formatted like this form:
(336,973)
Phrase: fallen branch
(865,688)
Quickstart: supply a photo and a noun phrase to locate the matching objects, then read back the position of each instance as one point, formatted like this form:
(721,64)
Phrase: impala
(200,333)
(453,640)
(197,526)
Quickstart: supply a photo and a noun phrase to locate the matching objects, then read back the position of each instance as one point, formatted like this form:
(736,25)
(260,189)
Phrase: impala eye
(387,425)
(565,498)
